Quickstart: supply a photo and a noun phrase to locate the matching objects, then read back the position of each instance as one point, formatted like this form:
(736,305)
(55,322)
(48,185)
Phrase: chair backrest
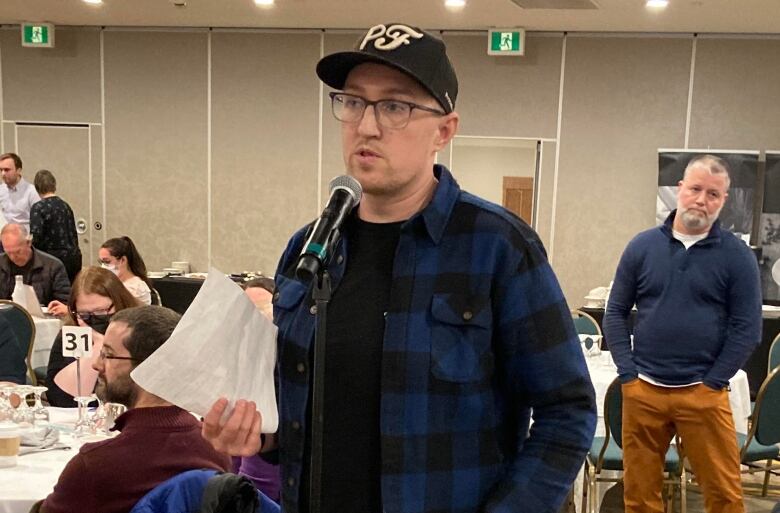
(585,324)
(774,354)
(613,419)
(766,415)
(22,325)
(156,299)
(613,411)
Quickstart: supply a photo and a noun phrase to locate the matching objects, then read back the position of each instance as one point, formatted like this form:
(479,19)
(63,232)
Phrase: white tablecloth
(46,331)
(35,475)
(603,372)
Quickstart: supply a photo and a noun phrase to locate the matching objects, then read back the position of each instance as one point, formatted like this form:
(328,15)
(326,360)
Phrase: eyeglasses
(97,315)
(102,356)
(349,108)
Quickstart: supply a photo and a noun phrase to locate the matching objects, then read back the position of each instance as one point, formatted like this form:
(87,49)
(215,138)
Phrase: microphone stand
(321,293)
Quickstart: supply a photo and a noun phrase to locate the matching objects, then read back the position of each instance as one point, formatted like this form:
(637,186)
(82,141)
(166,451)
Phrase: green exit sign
(38,35)
(506,42)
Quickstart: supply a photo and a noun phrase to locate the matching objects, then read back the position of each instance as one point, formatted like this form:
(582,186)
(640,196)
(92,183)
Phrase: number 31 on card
(76,341)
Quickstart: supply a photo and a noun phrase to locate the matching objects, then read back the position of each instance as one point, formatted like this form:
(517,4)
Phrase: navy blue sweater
(698,311)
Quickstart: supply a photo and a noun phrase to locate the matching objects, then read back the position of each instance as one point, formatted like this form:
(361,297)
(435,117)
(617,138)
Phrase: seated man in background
(157,440)
(43,272)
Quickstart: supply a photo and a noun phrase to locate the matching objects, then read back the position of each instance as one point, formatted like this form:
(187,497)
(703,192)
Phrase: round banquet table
(34,476)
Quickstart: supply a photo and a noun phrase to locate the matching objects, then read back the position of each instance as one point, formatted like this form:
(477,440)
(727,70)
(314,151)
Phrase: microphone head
(348,184)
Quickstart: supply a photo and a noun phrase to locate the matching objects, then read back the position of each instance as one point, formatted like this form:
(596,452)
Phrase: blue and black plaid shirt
(477,335)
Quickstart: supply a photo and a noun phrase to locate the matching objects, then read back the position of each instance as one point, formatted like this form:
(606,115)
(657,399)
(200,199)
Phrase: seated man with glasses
(157,440)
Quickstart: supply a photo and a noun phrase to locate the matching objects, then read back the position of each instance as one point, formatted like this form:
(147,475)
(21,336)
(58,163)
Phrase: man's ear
(448,127)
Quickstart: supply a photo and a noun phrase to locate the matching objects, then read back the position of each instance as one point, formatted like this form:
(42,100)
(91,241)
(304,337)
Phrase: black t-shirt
(353,369)
(23,270)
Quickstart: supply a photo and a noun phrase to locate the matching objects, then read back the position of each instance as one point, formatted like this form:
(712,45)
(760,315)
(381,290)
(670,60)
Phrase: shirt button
(300,367)
(291,481)
(467,315)
(339,259)
(313,310)
(296,425)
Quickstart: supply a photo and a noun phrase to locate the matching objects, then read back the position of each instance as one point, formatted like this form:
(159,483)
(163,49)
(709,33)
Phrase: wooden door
(519,196)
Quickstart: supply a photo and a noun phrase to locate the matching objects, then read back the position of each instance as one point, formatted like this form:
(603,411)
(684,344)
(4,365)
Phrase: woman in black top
(52,225)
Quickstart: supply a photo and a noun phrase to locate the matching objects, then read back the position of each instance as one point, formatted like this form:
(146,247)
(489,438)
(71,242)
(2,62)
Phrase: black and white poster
(769,231)
(737,213)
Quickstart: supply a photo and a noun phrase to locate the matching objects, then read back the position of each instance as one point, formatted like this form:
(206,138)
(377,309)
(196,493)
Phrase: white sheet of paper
(222,347)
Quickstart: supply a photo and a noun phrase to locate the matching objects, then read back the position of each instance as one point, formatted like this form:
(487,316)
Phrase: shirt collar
(436,214)
(153,417)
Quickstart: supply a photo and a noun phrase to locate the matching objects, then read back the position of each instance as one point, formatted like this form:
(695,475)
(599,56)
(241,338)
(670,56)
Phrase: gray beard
(695,221)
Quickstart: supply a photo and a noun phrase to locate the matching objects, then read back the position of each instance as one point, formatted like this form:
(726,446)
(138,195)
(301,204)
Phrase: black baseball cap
(411,50)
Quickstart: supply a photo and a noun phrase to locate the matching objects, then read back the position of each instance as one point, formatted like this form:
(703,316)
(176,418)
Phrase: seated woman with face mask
(95,296)
(120,256)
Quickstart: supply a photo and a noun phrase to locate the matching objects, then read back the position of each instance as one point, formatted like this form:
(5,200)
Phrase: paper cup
(9,444)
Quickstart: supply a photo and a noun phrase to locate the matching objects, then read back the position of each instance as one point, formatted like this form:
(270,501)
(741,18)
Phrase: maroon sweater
(154,445)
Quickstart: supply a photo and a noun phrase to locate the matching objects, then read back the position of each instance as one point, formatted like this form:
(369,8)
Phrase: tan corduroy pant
(702,418)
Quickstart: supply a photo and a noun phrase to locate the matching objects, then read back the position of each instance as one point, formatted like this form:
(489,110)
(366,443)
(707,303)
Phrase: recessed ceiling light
(455,3)
(96,2)
(657,4)
(264,3)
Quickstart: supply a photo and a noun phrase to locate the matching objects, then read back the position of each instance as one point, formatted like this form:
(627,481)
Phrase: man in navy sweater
(698,299)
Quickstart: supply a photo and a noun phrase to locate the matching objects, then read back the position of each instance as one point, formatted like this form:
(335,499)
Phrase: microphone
(345,194)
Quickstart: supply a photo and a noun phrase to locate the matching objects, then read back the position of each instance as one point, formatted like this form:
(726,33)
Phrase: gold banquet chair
(22,325)
(585,324)
(761,442)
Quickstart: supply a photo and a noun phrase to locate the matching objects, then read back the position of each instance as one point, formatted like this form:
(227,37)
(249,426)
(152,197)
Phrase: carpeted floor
(612,501)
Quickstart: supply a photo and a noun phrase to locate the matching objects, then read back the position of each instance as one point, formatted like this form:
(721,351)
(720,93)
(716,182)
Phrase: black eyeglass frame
(334,94)
(103,356)
(86,316)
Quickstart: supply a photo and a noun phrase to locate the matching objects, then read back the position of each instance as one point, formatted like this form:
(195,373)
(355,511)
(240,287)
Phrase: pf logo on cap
(398,35)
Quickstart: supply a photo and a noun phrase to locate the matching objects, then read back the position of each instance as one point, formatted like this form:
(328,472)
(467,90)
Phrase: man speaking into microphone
(447,329)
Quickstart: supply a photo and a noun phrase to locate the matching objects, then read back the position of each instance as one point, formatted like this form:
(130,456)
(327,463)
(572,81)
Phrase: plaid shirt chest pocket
(461,332)
(291,312)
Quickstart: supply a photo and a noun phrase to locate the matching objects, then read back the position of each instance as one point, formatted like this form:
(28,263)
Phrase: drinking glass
(6,410)
(23,414)
(40,413)
(99,417)
(84,425)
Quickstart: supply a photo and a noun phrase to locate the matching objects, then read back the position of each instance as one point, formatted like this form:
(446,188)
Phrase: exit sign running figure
(38,35)
(506,42)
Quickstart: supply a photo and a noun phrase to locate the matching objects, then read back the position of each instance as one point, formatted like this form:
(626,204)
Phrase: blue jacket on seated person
(199,490)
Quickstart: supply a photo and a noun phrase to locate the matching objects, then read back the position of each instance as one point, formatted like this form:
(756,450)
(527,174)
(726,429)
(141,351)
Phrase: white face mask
(110,267)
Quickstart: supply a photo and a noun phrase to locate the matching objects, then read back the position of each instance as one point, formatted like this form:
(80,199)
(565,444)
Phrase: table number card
(76,341)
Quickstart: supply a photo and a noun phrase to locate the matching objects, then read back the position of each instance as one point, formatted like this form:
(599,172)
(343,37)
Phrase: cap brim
(333,69)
